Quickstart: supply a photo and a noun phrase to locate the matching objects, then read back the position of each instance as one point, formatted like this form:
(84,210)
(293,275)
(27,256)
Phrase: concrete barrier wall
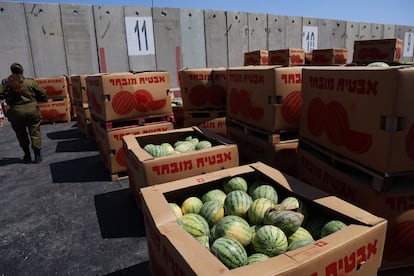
(66,39)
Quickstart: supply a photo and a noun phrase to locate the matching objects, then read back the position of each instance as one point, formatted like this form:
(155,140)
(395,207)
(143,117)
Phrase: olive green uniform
(24,113)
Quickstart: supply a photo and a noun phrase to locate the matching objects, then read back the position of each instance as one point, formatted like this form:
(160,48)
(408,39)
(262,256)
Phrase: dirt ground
(65,216)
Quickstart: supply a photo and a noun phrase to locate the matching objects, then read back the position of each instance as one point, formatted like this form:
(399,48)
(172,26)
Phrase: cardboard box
(386,50)
(215,121)
(308,57)
(110,141)
(55,110)
(145,170)
(266,97)
(84,119)
(118,96)
(395,205)
(78,88)
(258,57)
(287,57)
(252,148)
(354,250)
(329,56)
(361,113)
(55,87)
(203,88)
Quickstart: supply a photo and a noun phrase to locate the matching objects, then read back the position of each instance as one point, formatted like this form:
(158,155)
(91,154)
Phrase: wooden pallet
(135,122)
(282,136)
(119,176)
(380,182)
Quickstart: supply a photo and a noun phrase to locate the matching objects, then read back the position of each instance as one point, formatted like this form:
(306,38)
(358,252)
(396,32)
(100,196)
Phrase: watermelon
(234,227)
(255,184)
(299,243)
(176,209)
(270,240)
(256,257)
(194,224)
(212,211)
(287,221)
(215,194)
(230,252)
(194,140)
(237,203)
(149,148)
(191,205)
(236,183)
(314,226)
(185,146)
(331,227)
(258,209)
(265,191)
(300,238)
(204,144)
(204,240)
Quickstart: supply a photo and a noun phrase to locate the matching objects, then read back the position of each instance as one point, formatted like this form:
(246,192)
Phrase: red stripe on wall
(102,59)
(178,61)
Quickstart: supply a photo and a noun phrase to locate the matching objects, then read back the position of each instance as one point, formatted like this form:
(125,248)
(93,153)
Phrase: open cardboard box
(354,250)
(145,170)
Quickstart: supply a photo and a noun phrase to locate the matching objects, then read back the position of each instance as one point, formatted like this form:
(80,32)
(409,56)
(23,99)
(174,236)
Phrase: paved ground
(66,216)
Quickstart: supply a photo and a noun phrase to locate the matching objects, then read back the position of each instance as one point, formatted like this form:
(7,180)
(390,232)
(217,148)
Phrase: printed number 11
(144,31)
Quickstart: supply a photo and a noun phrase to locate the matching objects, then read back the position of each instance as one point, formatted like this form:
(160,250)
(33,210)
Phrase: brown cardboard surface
(203,88)
(258,57)
(110,142)
(78,88)
(355,250)
(266,97)
(362,113)
(329,56)
(125,95)
(395,205)
(56,87)
(145,170)
(55,110)
(386,50)
(287,57)
(83,119)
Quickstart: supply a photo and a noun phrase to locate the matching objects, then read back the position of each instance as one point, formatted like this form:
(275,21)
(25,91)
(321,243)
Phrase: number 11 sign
(140,36)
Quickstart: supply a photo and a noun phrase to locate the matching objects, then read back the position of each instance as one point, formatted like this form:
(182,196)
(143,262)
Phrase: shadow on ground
(142,269)
(86,169)
(118,215)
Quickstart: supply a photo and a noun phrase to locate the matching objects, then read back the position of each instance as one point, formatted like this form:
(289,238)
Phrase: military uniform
(24,113)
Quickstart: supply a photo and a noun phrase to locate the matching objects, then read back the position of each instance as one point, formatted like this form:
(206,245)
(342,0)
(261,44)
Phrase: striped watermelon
(298,244)
(204,240)
(331,227)
(255,184)
(300,238)
(287,221)
(265,191)
(176,209)
(294,204)
(166,149)
(234,227)
(191,205)
(184,146)
(256,258)
(194,224)
(230,252)
(204,144)
(237,203)
(270,240)
(212,211)
(215,194)
(258,210)
(194,140)
(236,183)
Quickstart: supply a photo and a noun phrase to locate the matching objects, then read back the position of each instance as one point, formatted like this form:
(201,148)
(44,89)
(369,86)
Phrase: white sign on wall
(310,38)
(140,36)
(408,44)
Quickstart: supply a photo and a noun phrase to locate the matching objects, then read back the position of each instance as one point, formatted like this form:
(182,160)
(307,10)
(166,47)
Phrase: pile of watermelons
(243,223)
(189,144)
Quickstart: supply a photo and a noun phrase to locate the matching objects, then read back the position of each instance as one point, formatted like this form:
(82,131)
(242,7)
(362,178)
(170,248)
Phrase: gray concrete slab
(65,216)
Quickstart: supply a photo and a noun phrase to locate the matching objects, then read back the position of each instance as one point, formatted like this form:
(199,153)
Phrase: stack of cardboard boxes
(204,95)
(127,103)
(58,106)
(357,140)
(81,105)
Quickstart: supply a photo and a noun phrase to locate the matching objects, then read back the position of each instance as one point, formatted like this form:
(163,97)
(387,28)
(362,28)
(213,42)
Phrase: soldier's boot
(27,158)
(37,155)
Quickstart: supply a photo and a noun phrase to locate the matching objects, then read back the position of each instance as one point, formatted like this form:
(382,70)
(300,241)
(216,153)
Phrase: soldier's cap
(16,68)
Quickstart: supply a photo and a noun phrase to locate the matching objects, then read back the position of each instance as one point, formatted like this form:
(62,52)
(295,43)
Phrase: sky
(396,12)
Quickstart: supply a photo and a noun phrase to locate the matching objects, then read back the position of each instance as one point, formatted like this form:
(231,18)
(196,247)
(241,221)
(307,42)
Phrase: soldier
(22,96)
